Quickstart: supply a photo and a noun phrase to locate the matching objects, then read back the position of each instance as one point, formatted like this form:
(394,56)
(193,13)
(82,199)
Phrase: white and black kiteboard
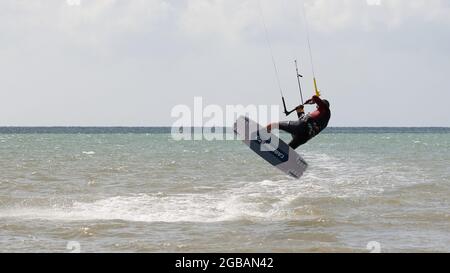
(270,147)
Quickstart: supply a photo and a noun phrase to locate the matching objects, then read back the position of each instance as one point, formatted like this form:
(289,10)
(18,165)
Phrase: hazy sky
(128,62)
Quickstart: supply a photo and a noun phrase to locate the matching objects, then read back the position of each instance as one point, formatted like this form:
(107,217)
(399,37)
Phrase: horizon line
(164,126)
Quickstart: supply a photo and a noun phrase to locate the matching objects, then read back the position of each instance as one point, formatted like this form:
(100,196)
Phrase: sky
(130,62)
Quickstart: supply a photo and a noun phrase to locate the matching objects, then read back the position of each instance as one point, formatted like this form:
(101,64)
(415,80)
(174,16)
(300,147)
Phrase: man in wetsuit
(307,126)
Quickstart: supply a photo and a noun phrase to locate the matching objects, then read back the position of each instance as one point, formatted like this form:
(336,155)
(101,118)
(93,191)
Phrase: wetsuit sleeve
(319,102)
(310,101)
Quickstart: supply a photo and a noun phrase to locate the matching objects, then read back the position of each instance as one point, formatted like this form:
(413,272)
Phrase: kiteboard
(270,147)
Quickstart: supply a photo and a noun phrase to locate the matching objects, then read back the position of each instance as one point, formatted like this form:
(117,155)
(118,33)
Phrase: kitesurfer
(306,126)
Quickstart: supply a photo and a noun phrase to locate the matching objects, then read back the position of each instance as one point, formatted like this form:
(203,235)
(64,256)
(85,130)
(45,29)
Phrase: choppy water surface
(144,192)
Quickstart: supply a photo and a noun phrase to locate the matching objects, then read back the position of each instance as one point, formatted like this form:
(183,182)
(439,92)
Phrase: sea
(124,189)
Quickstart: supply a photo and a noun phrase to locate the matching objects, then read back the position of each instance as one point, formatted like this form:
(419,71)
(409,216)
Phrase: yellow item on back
(315,87)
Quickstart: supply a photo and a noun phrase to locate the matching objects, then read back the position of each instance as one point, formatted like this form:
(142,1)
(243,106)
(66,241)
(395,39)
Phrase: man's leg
(297,130)
(299,134)
(287,126)
(297,141)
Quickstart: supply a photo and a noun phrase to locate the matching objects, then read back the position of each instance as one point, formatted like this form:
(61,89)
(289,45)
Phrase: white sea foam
(249,201)
(266,200)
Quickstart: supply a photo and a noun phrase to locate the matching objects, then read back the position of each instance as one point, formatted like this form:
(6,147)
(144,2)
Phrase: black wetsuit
(307,126)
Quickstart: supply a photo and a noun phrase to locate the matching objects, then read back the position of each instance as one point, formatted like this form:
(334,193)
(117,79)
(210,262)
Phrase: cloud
(331,15)
(89,23)
(215,17)
(229,19)
(129,61)
(114,15)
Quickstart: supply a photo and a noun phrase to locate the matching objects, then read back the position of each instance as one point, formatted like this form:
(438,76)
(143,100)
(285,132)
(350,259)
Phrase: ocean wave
(259,201)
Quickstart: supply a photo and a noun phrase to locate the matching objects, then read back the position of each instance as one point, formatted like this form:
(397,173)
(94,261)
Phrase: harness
(312,125)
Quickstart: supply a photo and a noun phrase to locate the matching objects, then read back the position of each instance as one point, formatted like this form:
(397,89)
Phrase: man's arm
(310,101)
(316,100)
(300,111)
